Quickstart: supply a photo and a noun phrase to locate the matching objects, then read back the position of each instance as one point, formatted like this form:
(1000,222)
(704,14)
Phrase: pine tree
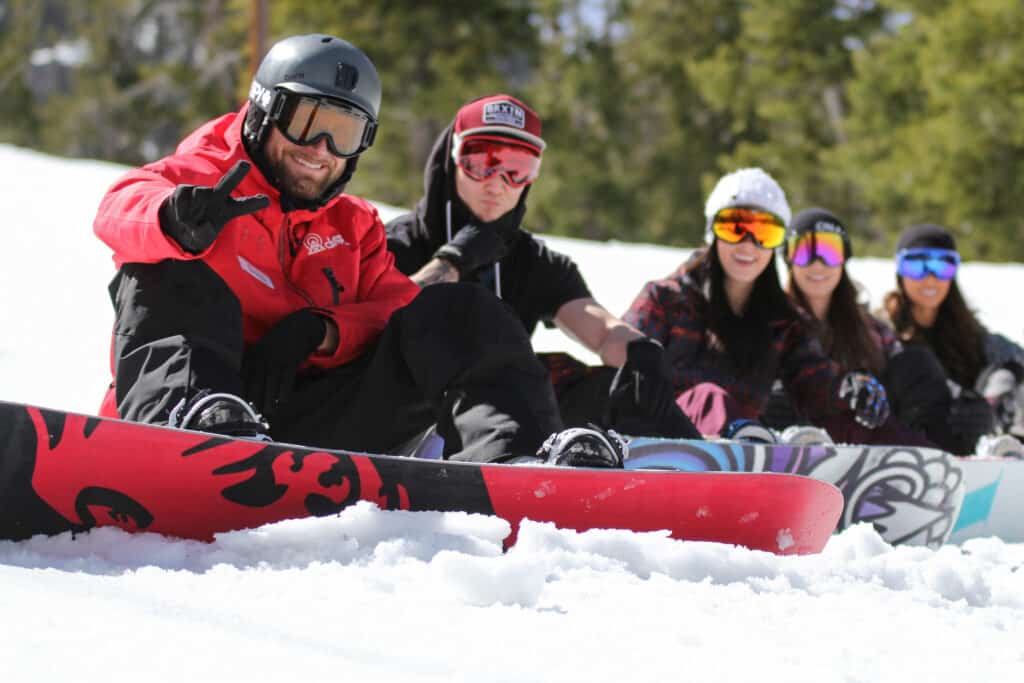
(125,80)
(781,78)
(19,22)
(935,117)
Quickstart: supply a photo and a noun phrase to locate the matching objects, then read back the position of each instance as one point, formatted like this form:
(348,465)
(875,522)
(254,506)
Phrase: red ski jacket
(334,258)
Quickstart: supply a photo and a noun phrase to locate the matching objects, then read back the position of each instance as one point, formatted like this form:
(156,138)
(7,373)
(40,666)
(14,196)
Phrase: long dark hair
(747,338)
(845,333)
(957,338)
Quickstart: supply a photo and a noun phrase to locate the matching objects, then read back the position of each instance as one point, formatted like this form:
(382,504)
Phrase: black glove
(194,215)
(473,247)
(970,416)
(779,411)
(866,397)
(642,400)
(271,364)
(478,244)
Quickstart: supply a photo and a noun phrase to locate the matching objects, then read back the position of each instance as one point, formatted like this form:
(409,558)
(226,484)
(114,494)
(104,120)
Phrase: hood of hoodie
(439,190)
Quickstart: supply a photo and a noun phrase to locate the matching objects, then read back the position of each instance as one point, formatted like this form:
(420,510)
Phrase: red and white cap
(499,116)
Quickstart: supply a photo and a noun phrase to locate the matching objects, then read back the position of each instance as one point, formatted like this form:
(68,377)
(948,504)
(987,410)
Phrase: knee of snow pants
(177,329)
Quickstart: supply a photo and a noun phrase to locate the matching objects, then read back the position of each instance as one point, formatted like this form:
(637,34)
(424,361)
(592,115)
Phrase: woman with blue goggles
(983,396)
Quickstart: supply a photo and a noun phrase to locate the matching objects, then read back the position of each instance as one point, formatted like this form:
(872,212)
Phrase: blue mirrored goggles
(918,264)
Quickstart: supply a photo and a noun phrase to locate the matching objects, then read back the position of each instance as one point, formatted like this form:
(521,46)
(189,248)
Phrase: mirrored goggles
(305,120)
(917,264)
(826,247)
(481,157)
(733,226)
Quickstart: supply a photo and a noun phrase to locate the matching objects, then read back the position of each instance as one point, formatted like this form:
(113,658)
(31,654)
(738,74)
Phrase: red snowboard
(61,471)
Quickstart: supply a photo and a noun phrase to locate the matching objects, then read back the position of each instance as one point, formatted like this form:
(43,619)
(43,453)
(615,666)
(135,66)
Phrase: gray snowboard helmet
(318,66)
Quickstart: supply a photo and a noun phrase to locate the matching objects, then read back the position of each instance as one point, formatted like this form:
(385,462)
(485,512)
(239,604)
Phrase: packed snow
(373,595)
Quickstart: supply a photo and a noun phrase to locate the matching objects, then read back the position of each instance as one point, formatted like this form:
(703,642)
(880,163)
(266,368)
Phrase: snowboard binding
(219,413)
(585,447)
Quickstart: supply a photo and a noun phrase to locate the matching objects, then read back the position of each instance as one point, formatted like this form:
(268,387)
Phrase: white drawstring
(448,219)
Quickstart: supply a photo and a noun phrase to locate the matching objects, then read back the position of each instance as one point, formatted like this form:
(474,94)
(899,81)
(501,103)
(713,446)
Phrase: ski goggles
(305,120)
(733,225)
(826,247)
(917,264)
(481,157)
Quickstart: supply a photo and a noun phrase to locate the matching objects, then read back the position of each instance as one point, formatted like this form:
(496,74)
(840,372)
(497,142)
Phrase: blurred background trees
(888,112)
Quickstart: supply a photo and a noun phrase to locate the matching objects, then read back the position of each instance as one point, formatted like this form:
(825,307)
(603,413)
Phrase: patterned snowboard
(994,502)
(66,472)
(911,495)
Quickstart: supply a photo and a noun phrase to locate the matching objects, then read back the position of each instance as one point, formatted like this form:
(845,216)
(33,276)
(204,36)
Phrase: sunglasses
(305,120)
(826,247)
(917,264)
(480,158)
(733,226)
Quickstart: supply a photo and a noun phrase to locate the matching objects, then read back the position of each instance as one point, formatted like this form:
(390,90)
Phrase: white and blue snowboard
(910,495)
(994,500)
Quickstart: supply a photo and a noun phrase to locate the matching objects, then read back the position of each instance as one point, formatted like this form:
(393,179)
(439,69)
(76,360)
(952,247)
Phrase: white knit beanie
(749,188)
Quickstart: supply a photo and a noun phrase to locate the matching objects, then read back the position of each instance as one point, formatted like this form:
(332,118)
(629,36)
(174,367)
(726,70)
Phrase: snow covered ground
(394,596)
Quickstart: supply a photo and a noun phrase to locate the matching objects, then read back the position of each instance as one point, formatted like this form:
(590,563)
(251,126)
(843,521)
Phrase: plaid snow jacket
(675,312)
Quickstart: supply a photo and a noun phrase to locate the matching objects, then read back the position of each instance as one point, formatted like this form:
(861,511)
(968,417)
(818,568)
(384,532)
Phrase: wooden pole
(257,34)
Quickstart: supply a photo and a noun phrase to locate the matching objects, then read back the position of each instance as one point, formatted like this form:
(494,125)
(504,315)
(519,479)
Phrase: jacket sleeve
(647,313)
(809,376)
(382,291)
(883,335)
(669,312)
(127,220)
(410,246)
(1000,350)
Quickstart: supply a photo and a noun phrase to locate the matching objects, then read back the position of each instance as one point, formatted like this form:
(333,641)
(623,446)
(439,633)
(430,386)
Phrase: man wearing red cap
(467,228)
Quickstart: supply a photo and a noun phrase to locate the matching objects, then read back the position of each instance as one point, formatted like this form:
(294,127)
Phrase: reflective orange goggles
(734,224)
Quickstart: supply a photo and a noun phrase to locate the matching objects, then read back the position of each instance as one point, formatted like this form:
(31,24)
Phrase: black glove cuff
(452,255)
(646,355)
(316,328)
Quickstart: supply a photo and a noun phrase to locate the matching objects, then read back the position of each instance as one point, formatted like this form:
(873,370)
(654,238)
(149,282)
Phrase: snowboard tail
(67,472)
(994,502)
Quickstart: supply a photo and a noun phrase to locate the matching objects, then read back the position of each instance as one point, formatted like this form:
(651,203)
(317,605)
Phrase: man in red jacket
(254,298)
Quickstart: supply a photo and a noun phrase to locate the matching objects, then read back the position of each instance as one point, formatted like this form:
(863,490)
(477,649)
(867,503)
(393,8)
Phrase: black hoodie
(535,281)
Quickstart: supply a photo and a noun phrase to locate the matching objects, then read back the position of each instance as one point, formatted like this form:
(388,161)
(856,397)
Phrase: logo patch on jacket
(256,272)
(505,113)
(314,243)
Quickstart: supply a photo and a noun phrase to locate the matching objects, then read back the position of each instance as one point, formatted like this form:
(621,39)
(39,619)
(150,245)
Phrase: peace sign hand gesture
(194,215)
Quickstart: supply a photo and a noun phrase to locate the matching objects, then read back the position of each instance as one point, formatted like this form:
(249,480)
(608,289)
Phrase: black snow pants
(455,358)
(920,395)
(583,393)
